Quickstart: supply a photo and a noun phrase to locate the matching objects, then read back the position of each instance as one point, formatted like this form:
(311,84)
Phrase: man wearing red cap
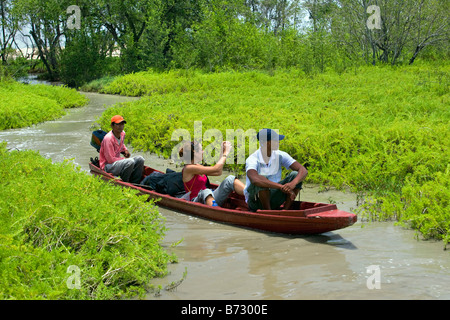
(128,169)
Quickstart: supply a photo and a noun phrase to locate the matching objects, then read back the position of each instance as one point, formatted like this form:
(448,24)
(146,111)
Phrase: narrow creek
(227,262)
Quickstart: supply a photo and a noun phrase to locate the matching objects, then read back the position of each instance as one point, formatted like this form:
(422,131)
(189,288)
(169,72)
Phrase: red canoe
(304,218)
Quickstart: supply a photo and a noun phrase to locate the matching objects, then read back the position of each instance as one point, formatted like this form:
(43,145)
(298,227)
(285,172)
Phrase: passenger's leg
(138,168)
(127,170)
(205,196)
(224,189)
(264,198)
(238,187)
(121,168)
(291,176)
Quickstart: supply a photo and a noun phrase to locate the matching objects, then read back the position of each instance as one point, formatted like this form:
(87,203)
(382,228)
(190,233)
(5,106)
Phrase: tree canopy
(121,36)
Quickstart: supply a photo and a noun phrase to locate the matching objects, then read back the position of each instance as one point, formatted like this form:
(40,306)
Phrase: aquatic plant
(97,85)
(380,131)
(55,219)
(22,105)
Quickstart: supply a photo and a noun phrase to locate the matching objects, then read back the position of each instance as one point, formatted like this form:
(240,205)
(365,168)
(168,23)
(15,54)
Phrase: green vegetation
(341,92)
(53,217)
(97,85)
(124,36)
(381,131)
(22,105)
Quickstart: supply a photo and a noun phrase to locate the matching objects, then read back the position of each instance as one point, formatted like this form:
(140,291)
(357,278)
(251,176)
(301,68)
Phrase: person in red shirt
(195,176)
(128,169)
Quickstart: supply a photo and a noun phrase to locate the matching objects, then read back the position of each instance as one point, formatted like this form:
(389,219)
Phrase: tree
(85,56)
(350,30)
(9,28)
(432,26)
(47,21)
(273,15)
(320,13)
(177,16)
(127,21)
(405,26)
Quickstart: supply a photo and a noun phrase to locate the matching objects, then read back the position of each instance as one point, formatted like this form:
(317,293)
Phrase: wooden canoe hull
(305,218)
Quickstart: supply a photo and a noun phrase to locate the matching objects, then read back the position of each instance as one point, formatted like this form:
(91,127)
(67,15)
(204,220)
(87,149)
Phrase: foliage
(376,130)
(97,85)
(81,61)
(8,29)
(22,105)
(109,233)
(217,35)
(17,68)
(46,25)
(432,200)
(421,205)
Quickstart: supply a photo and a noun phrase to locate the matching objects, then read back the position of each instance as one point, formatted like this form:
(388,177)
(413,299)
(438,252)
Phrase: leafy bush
(83,59)
(97,85)
(422,206)
(427,206)
(373,129)
(53,217)
(22,105)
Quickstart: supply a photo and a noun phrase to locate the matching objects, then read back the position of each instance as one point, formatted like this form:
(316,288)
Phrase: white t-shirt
(271,170)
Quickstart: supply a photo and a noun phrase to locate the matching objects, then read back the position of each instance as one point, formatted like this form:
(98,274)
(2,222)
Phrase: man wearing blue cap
(265,190)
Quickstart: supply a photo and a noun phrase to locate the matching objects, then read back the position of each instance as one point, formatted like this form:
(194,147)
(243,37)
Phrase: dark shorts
(277,197)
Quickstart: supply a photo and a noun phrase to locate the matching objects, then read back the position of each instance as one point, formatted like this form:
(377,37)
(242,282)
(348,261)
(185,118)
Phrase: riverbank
(68,235)
(381,131)
(23,105)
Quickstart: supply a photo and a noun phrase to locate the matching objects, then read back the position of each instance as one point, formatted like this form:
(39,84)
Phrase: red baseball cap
(117,119)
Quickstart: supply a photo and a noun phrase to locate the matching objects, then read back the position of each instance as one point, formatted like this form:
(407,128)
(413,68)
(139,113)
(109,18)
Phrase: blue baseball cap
(269,135)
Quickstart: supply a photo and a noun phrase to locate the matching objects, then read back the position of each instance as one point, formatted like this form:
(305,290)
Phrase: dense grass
(97,85)
(53,217)
(381,131)
(22,105)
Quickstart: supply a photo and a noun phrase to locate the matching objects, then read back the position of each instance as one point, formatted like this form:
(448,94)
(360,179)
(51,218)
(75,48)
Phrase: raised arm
(216,170)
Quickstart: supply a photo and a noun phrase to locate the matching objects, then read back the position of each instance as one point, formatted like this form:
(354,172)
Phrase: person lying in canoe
(195,176)
(128,169)
(264,188)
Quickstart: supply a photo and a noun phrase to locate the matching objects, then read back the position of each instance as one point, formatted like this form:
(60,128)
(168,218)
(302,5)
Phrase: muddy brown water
(364,261)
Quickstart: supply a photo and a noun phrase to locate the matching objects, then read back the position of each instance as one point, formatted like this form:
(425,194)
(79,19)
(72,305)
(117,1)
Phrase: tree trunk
(42,55)
(4,43)
(416,53)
